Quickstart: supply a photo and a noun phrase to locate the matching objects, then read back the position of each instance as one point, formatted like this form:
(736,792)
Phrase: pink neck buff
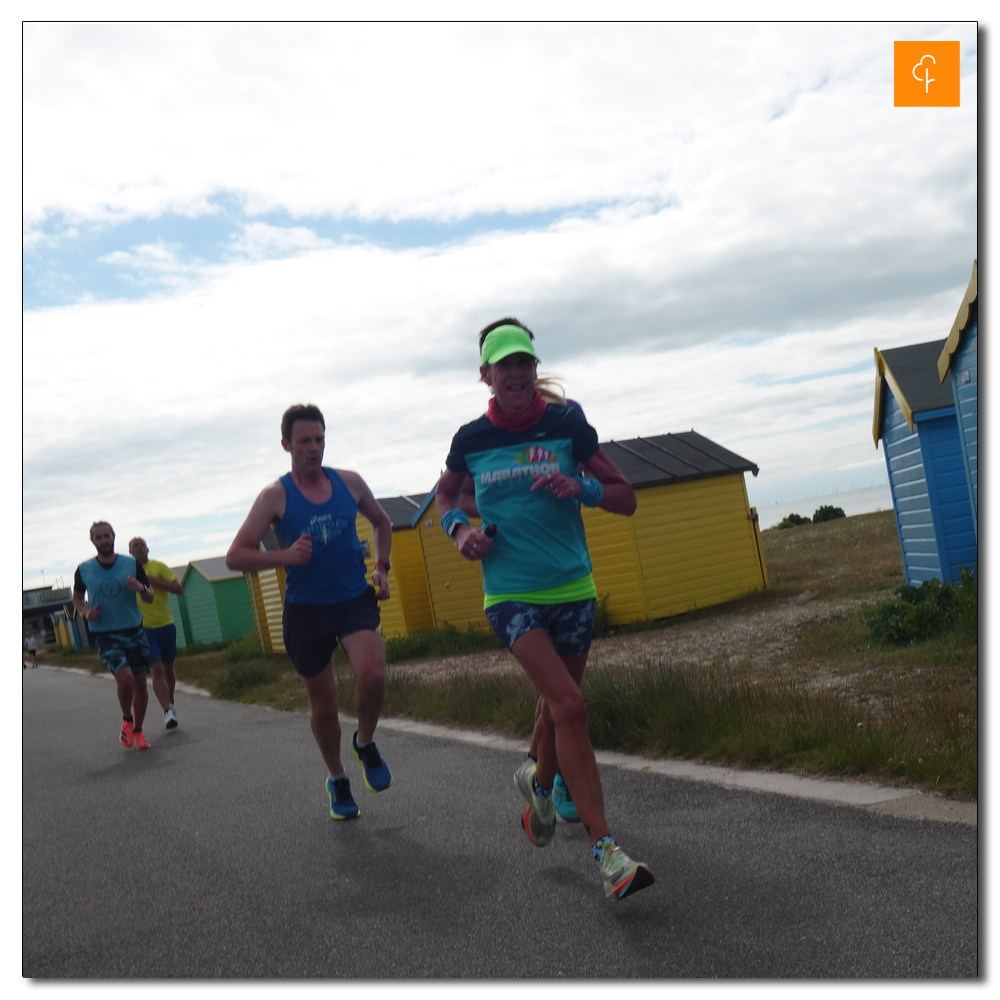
(516,421)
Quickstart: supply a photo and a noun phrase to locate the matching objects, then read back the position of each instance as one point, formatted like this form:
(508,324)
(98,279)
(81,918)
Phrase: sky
(706,226)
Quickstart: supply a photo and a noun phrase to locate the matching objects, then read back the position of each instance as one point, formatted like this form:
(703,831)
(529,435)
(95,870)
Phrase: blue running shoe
(378,777)
(565,806)
(342,804)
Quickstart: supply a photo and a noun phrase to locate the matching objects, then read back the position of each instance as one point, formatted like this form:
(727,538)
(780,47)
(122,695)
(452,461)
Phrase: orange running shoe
(126,734)
(141,743)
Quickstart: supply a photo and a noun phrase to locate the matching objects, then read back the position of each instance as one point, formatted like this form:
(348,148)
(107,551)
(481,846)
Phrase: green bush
(933,608)
(193,648)
(447,641)
(246,647)
(792,521)
(602,617)
(827,513)
(243,675)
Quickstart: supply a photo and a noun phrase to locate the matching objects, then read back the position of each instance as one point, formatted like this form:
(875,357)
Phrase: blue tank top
(106,587)
(336,570)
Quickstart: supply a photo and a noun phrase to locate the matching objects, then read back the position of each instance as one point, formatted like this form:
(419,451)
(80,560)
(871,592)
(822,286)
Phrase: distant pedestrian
(30,648)
(109,581)
(327,597)
(158,623)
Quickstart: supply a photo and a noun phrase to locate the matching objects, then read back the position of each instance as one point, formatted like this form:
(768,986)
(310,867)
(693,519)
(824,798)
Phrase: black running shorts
(311,631)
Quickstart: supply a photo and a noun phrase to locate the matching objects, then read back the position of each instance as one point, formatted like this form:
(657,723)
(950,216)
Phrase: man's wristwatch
(384,563)
(453,528)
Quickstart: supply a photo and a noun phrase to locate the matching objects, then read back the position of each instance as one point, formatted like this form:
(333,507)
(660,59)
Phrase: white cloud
(764,218)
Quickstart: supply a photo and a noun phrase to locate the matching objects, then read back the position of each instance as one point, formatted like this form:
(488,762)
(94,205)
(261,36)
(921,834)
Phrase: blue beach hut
(915,418)
(958,367)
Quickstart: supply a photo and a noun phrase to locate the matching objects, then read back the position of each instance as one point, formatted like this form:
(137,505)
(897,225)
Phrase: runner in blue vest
(327,596)
(110,582)
(523,456)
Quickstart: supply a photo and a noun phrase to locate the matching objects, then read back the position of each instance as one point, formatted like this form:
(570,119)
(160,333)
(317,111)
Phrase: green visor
(504,341)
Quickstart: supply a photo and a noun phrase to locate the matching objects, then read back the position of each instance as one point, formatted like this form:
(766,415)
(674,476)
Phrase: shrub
(243,675)
(827,513)
(792,521)
(602,617)
(934,607)
(446,641)
(193,648)
(246,647)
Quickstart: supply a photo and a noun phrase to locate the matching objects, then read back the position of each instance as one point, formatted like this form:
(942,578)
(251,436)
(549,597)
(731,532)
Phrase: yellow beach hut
(694,540)
(408,609)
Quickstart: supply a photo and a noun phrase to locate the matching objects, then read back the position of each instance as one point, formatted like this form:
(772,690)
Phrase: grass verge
(843,703)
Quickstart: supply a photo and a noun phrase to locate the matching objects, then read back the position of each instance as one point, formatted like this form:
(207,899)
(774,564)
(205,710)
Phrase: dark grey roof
(915,369)
(401,509)
(673,458)
(665,458)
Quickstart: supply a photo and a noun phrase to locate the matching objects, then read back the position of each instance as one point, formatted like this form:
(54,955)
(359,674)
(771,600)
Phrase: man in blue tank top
(327,596)
(110,582)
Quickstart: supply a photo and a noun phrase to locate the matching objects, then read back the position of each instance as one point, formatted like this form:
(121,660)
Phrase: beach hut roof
(662,459)
(911,373)
(214,569)
(402,509)
(673,458)
(954,338)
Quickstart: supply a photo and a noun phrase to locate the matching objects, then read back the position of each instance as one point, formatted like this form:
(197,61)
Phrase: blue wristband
(451,517)
(593,491)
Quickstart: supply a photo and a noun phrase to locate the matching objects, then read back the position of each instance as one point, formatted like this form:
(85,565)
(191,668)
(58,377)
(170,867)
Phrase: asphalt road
(212,855)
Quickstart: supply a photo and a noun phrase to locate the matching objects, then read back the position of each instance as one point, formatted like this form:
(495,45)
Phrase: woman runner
(540,594)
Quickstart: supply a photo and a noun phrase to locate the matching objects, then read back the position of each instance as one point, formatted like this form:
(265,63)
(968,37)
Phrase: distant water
(862,501)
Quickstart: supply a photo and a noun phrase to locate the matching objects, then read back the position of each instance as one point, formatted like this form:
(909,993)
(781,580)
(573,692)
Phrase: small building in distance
(216,601)
(915,419)
(958,366)
(693,541)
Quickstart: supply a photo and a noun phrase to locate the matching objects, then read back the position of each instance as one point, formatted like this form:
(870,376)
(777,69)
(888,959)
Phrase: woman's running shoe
(342,804)
(565,806)
(539,819)
(141,743)
(622,876)
(126,734)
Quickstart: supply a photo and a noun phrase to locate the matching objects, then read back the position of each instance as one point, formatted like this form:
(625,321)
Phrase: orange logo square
(926,74)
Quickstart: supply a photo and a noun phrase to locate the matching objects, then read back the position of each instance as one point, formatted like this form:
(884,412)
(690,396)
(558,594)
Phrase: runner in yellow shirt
(159,626)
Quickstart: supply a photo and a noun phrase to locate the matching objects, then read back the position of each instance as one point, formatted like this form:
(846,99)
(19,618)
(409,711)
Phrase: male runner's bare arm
(174,586)
(91,614)
(267,509)
(381,528)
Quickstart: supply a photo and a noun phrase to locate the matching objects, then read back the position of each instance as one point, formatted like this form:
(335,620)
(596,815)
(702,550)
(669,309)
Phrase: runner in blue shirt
(327,596)
(104,590)
(522,456)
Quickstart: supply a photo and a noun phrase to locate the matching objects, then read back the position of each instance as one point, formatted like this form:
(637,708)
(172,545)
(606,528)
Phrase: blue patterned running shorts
(570,626)
(127,648)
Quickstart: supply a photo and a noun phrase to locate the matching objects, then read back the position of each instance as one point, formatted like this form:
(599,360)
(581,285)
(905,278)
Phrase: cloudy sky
(706,226)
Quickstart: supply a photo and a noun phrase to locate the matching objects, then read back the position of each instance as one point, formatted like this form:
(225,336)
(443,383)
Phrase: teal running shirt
(540,541)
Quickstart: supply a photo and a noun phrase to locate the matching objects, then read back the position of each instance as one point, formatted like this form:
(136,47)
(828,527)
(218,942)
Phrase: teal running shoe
(622,876)
(565,806)
(342,804)
(378,777)
(539,819)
